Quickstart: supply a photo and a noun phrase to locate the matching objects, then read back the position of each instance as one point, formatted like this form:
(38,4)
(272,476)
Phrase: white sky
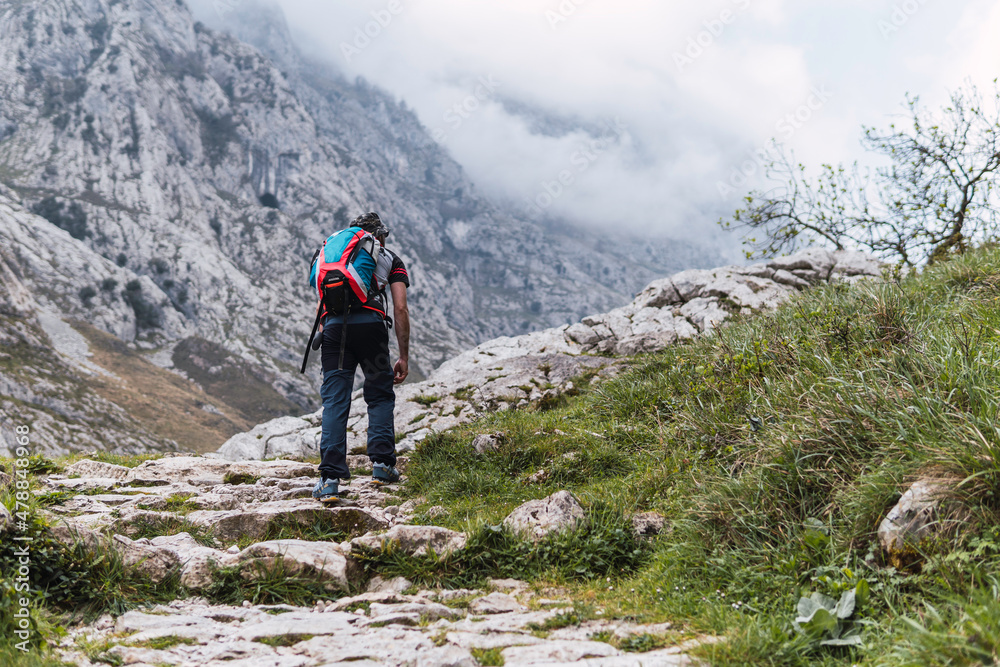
(687,128)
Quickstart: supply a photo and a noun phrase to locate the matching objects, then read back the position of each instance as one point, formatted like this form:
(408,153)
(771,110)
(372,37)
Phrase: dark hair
(371,223)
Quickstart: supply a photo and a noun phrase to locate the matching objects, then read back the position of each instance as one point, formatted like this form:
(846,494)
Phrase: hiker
(355,332)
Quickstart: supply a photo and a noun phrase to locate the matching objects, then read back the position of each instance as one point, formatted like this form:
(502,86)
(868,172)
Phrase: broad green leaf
(807,608)
(827,603)
(845,607)
(861,591)
(820,623)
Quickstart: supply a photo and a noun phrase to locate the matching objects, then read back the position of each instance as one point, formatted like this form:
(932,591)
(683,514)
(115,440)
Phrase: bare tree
(937,195)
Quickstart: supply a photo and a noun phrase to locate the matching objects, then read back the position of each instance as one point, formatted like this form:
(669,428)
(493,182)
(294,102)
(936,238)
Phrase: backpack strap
(305,358)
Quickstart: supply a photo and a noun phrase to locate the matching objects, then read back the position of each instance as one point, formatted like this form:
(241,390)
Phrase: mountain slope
(192,159)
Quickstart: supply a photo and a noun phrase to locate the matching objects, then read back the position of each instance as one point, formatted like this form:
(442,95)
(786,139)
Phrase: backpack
(343,274)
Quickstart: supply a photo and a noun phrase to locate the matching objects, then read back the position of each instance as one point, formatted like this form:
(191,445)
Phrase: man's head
(371,223)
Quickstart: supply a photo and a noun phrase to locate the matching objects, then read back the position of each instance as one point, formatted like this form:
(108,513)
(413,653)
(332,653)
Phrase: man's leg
(338,384)
(376,364)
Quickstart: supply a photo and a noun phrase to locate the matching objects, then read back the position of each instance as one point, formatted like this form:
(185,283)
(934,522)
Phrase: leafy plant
(827,621)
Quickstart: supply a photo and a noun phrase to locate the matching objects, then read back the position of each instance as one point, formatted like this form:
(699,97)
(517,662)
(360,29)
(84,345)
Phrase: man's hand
(400,371)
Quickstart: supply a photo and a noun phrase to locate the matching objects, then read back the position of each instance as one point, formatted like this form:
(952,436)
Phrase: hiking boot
(383,474)
(326,490)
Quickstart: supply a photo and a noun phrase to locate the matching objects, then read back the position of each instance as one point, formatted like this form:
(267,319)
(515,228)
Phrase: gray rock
(915,518)
(285,436)
(790,279)
(320,561)
(255,520)
(817,260)
(537,518)
(854,263)
(658,294)
(492,640)
(496,603)
(394,585)
(415,540)
(646,524)
(6,520)
(89,468)
(193,470)
(557,652)
(156,563)
(706,314)
(430,611)
(690,283)
(487,442)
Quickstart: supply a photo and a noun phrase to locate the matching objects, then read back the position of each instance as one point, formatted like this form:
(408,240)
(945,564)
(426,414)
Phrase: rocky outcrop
(538,368)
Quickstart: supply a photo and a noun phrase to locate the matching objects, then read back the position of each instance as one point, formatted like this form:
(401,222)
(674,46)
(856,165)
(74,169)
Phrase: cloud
(692,88)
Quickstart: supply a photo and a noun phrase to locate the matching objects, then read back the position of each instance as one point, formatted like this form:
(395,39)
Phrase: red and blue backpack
(343,274)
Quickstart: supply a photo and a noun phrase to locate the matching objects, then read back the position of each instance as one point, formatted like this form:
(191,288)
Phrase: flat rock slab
(557,651)
(496,603)
(256,520)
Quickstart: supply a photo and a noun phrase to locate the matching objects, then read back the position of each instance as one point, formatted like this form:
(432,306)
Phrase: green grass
(488,657)
(773,449)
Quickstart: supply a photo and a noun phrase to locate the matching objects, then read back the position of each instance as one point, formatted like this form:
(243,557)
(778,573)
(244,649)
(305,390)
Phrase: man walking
(361,338)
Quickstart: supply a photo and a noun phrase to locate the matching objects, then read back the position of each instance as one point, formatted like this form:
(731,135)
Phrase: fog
(647,114)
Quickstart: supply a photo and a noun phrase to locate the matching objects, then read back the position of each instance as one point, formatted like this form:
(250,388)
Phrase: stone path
(238,506)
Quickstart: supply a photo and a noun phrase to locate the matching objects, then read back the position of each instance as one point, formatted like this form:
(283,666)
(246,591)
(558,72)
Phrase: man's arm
(401,317)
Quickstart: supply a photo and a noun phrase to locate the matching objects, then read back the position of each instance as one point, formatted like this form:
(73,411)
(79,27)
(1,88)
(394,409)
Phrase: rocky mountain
(165,184)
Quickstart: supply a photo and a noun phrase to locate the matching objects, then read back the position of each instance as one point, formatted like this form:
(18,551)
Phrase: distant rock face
(506,373)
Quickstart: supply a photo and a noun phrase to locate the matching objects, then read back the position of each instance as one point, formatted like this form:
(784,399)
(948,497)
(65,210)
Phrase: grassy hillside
(774,450)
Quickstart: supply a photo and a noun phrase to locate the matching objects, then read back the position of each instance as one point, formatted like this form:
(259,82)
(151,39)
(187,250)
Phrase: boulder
(496,603)
(537,518)
(582,334)
(415,540)
(89,468)
(690,283)
(915,518)
(319,561)
(394,585)
(285,436)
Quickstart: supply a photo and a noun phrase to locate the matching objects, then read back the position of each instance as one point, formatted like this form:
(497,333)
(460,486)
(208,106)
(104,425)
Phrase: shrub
(71,218)
(87,293)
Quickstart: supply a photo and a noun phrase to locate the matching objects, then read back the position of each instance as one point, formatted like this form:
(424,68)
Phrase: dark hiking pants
(367,346)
